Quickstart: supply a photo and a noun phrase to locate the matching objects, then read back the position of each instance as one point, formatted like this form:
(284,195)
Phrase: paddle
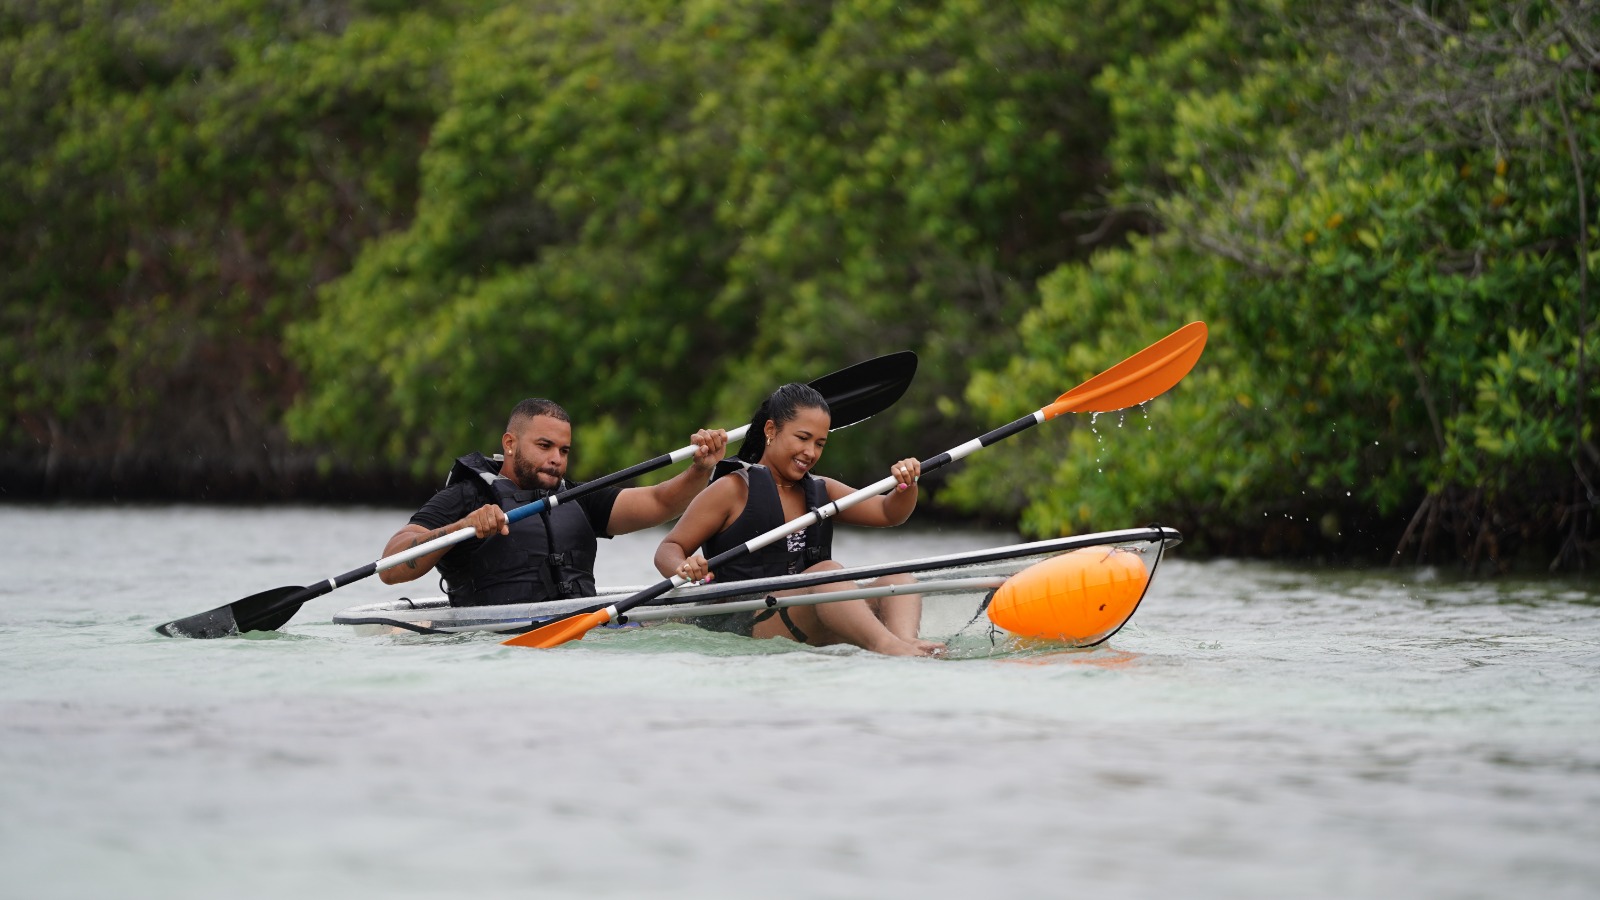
(853,393)
(1141,377)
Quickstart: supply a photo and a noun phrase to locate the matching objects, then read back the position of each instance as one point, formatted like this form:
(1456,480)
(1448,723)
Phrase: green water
(1256,731)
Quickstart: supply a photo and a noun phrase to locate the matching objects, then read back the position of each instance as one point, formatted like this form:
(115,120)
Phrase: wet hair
(535,406)
(780,408)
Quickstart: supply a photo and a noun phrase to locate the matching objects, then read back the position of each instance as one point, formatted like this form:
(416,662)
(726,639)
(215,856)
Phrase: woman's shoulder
(732,466)
(728,485)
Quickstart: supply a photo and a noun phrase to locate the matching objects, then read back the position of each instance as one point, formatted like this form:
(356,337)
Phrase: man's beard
(528,476)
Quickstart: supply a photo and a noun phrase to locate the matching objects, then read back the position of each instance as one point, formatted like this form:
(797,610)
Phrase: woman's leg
(859,622)
(901,613)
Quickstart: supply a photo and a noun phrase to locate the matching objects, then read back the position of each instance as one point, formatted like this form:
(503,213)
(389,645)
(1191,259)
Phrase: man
(548,556)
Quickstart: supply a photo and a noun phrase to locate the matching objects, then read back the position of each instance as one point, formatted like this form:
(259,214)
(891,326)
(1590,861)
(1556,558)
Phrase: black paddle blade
(268,610)
(257,612)
(865,389)
(212,623)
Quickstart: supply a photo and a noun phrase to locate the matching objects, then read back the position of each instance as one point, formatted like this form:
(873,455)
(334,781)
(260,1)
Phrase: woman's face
(794,447)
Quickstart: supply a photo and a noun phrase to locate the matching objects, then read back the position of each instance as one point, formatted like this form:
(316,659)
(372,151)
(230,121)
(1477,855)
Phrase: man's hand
(709,446)
(486,520)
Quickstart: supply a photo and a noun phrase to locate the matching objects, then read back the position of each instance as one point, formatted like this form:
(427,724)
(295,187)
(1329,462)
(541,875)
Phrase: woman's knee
(828,565)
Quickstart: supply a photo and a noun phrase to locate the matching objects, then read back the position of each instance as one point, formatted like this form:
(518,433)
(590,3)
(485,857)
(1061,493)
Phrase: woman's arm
(713,511)
(888,509)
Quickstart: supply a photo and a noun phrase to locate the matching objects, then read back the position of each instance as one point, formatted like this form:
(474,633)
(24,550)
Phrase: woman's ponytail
(755,440)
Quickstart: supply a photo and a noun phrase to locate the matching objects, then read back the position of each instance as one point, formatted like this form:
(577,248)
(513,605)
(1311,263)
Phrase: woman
(773,484)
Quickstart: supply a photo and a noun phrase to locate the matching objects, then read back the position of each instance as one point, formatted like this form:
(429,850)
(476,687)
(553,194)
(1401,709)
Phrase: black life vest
(549,556)
(763,511)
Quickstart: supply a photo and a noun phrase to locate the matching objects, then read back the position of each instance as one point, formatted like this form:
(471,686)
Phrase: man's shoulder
(448,504)
(596,506)
(473,468)
(465,491)
(604,495)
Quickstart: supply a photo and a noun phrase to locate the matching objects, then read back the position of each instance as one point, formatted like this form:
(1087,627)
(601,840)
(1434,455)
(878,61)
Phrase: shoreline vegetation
(264,250)
(1346,536)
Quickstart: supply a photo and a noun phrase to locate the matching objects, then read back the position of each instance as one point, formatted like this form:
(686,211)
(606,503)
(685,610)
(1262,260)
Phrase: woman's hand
(694,569)
(906,472)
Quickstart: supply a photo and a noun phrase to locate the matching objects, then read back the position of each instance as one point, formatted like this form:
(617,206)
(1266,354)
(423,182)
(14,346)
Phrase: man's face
(536,453)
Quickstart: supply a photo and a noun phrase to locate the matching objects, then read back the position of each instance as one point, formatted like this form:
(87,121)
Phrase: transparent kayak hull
(955,587)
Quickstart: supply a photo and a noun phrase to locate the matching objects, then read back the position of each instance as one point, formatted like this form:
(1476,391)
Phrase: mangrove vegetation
(317,248)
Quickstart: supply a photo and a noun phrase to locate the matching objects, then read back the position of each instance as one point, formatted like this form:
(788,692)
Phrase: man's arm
(485,520)
(645,507)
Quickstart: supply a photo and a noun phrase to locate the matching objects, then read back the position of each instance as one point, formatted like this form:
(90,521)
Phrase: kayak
(1077,590)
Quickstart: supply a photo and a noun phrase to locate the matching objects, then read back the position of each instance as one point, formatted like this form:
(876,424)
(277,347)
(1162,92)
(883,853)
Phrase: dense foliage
(656,213)
(179,177)
(1384,215)
(370,227)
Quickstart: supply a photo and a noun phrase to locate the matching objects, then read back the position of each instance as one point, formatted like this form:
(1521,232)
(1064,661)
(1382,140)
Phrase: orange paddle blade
(1143,376)
(557,633)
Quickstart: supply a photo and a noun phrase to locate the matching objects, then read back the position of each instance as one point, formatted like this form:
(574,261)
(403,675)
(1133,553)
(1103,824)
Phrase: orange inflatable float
(1081,597)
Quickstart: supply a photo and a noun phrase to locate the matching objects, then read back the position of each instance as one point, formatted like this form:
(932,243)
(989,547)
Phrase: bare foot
(908,648)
